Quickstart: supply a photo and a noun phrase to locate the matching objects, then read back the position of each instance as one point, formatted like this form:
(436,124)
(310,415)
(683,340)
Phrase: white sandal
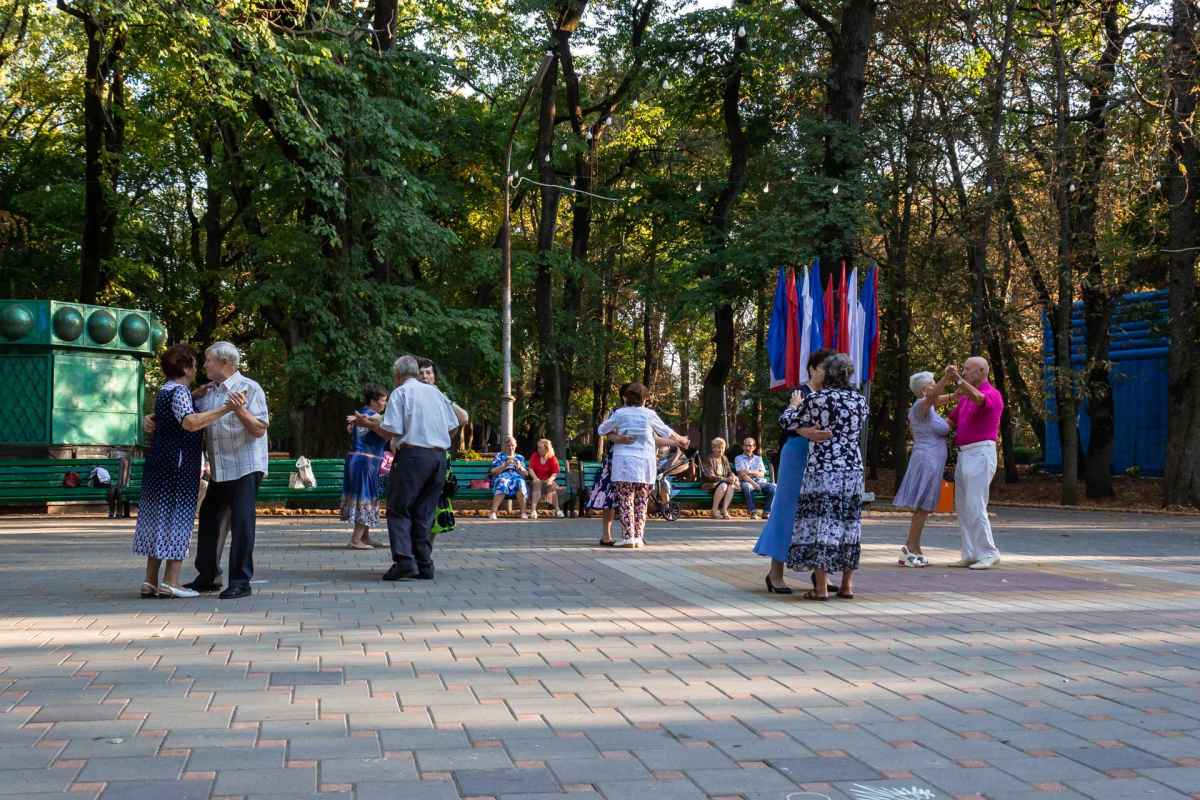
(150,594)
(908,559)
(166,590)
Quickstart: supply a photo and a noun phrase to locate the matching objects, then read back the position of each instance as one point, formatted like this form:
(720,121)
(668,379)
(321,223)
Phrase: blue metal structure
(1138,376)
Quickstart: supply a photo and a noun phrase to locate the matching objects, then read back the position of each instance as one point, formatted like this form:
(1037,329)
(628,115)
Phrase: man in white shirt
(751,471)
(236,446)
(419,419)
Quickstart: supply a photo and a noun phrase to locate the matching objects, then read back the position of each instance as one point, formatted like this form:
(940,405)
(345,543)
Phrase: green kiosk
(72,383)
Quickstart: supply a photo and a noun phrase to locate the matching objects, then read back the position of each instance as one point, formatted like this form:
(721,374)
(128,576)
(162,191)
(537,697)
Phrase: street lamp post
(507,399)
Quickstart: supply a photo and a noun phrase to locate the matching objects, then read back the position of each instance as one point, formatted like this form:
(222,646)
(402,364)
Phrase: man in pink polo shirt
(976,423)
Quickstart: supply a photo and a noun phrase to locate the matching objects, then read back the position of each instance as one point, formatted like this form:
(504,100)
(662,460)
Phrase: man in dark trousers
(419,419)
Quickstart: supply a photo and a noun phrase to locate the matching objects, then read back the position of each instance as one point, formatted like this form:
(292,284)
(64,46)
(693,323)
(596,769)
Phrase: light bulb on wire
(766,188)
(472,179)
(572,180)
(589,134)
(666,84)
(564,147)
(700,60)
(609,120)
(1072,186)
(529,167)
(634,184)
(742,32)
(405,182)
(698,186)
(988,188)
(908,189)
(837,187)
(635,103)
(547,158)
(1158,184)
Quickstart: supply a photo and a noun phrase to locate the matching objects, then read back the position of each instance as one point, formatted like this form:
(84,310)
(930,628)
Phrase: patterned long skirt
(632,499)
(604,491)
(827,532)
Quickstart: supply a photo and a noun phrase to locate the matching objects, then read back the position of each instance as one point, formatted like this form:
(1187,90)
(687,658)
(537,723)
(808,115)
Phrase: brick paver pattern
(540,666)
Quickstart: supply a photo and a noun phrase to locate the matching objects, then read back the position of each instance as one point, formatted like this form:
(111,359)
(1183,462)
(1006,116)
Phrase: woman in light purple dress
(922,485)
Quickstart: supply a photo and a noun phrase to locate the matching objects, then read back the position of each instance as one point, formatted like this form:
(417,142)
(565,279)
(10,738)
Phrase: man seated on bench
(751,471)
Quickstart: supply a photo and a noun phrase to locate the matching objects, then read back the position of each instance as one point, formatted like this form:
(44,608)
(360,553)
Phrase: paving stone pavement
(540,666)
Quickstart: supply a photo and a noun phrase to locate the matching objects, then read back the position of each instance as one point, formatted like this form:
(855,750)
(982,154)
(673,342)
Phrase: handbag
(481,483)
(946,497)
(71,480)
(450,487)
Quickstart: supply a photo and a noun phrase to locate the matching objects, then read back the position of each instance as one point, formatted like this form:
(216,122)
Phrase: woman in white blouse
(633,465)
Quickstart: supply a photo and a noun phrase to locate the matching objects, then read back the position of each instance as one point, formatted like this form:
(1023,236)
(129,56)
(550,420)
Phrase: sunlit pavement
(538,665)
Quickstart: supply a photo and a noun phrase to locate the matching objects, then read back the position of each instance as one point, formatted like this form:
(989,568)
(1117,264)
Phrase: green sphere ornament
(135,330)
(68,324)
(158,337)
(102,327)
(16,321)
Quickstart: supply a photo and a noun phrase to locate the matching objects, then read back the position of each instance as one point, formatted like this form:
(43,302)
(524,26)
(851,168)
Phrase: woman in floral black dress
(828,527)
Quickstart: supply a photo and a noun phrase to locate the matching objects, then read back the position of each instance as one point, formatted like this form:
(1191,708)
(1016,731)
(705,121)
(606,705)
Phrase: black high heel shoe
(776,589)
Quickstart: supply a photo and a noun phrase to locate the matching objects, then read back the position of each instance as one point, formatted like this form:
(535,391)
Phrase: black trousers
(414,486)
(237,498)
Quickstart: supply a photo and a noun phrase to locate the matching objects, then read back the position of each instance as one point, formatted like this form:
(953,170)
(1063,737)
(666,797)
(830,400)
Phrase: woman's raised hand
(797,399)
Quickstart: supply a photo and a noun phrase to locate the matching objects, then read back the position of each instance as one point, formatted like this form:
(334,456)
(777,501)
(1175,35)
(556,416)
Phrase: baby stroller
(674,462)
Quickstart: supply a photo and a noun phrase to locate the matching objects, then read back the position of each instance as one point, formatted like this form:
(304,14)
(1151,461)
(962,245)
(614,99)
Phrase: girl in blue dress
(171,474)
(360,479)
(776,537)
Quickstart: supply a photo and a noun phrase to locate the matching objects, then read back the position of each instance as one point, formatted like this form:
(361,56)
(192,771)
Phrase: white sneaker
(561,515)
(624,543)
(986,563)
(526,516)
(960,563)
(532,516)
(492,515)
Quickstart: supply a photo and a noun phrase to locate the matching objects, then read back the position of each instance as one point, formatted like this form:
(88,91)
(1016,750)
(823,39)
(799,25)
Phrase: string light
(908,189)
(589,134)
(697,186)
(1072,186)
(572,180)
(988,188)
(529,167)
(700,60)
(666,84)
(564,147)
(405,182)
(742,32)
(766,188)
(547,158)
(1157,184)
(472,179)
(836,188)
(634,184)
(635,103)
(609,120)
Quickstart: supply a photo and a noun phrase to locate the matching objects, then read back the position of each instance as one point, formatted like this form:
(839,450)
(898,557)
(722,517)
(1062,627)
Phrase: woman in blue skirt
(776,536)
(360,478)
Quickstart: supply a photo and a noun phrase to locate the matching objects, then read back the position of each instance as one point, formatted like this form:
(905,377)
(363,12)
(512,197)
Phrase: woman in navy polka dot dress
(171,475)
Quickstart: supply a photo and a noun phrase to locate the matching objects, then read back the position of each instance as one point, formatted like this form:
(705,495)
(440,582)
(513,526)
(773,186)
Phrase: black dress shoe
(422,577)
(200,586)
(399,573)
(234,592)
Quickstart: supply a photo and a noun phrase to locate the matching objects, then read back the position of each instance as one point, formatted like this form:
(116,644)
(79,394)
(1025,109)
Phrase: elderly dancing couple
(419,419)
(975,424)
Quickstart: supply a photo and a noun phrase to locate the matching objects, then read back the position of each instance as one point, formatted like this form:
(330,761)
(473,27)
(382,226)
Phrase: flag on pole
(870,305)
(777,335)
(791,369)
(857,325)
(829,328)
(817,336)
(806,324)
(843,317)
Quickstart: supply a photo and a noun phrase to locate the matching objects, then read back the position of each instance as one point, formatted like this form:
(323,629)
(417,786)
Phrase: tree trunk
(1181,484)
(104,138)
(1063,383)
(712,415)
(549,386)
(845,87)
(761,375)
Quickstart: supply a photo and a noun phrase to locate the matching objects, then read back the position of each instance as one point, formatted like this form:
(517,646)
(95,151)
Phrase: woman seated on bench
(508,477)
(544,468)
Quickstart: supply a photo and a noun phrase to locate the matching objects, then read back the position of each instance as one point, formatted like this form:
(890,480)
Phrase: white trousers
(972,485)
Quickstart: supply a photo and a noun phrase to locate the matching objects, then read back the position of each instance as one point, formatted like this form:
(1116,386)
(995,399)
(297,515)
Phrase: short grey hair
(838,371)
(405,367)
(225,351)
(919,379)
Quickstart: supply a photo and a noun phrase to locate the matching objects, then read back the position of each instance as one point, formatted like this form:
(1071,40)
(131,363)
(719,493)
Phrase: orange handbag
(946,498)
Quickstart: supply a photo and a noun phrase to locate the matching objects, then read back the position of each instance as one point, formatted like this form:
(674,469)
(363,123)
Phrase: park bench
(686,491)
(37,481)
